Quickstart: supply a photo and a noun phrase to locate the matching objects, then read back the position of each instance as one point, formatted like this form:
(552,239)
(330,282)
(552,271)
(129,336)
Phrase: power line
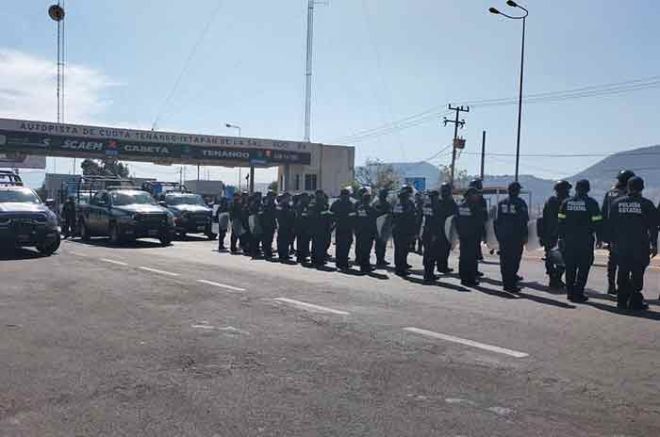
(545,97)
(185,66)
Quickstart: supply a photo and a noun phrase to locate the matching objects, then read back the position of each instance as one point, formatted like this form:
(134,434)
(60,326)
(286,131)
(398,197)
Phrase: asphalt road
(146,340)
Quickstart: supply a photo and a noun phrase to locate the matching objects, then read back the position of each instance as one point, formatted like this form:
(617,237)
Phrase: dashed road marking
(112,261)
(311,307)
(219,285)
(464,341)
(160,272)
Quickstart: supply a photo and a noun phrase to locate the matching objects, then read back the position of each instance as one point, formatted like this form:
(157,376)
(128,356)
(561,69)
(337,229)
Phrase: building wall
(331,168)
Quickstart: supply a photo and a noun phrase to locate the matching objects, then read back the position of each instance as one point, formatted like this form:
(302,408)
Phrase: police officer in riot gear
(365,231)
(381,207)
(303,228)
(579,219)
(223,207)
(417,243)
(285,226)
(236,216)
(69,213)
(620,189)
(483,206)
(446,208)
(343,213)
(469,226)
(511,233)
(404,230)
(432,231)
(633,227)
(550,232)
(254,210)
(268,221)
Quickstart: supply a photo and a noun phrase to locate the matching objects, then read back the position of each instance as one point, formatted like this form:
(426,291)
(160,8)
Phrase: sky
(194,66)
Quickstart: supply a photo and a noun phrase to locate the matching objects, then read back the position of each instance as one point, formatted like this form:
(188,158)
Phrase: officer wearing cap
(302,228)
(469,226)
(268,218)
(404,230)
(579,219)
(343,214)
(285,216)
(365,231)
(549,232)
(446,208)
(511,233)
(620,189)
(432,231)
(634,232)
(382,207)
(483,206)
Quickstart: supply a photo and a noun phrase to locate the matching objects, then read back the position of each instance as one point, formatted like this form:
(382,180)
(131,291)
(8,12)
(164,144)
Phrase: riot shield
(533,242)
(491,240)
(223,221)
(237,227)
(255,224)
(384,227)
(451,232)
(556,257)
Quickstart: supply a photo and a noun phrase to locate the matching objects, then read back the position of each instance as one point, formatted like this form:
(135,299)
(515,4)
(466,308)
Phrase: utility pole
(308,69)
(483,154)
(458,123)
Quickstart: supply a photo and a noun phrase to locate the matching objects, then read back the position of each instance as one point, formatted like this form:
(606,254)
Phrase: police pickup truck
(25,221)
(191,215)
(125,214)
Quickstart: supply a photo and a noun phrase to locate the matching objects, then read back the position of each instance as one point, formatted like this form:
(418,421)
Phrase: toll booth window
(310,182)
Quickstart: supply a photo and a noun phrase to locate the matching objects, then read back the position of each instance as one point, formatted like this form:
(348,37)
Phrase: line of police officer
(628,223)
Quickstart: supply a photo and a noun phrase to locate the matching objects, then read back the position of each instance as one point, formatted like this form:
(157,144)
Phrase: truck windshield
(19,196)
(120,199)
(190,199)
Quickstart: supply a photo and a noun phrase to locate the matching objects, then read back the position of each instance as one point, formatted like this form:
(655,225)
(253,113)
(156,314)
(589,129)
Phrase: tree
(272,186)
(461,177)
(91,167)
(377,175)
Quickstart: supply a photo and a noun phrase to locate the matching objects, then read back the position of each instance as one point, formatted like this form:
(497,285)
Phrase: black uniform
(633,227)
(579,218)
(432,232)
(365,233)
(320,220)
(483,210)
(469,226)
(268,220)
(550,237)
(446,208)
(381,207)
(420,203)
(303,231)
(615,193)
(511,233)
(69,213)
(285,229)
(404,231)
(254,211)
(236,215)
(343,213)
(222,233)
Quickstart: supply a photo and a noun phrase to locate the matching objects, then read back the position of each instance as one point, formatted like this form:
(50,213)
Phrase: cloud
(28,89)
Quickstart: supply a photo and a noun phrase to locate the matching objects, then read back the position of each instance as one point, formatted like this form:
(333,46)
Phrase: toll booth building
(302,166)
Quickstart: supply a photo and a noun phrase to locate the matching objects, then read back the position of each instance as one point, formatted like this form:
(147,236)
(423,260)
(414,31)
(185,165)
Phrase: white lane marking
(160,272)
(203,326)
(310,306)
(467,342)
(112,261)
(219,285)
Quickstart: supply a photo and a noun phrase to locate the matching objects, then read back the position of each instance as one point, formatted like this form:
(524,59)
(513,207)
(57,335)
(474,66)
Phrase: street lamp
(495,11)
(251,183)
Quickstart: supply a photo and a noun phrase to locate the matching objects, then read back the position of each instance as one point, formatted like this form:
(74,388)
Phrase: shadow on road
(439,284)
(105,242)
(651,315)
(20,254)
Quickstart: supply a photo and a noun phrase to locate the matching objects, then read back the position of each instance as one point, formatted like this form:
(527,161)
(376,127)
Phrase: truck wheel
(211,235)
(165,240)
(115,238)
(84,232)
(49,248)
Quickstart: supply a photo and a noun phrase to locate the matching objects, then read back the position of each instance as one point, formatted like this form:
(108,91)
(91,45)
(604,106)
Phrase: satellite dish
(56,13)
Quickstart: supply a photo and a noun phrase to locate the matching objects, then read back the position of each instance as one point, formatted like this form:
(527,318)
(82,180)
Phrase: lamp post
(495,11)
(238,128)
